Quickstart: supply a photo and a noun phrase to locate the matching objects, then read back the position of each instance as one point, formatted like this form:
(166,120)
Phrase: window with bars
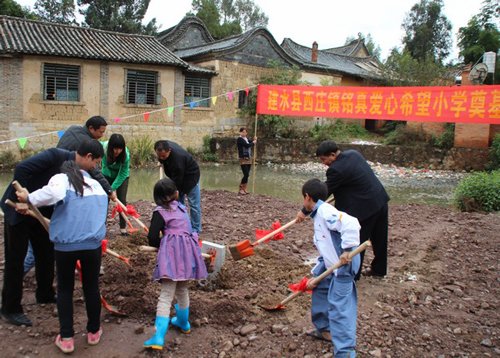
(197,91)
(142,87)
(61,82)
(244,99)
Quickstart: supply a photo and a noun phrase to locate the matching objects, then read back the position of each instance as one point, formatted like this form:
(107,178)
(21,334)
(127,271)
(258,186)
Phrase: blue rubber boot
(181,319)
(161,326)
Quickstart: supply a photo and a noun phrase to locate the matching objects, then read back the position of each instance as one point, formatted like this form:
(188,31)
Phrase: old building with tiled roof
(56,75)
(350,70)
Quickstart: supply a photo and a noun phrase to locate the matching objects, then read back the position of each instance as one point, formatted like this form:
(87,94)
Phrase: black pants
(90,261)
(16,239)
(375,228)
(121,194)
(245,169)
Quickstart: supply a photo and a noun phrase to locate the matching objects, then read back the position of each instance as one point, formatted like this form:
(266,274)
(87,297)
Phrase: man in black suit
(358,192)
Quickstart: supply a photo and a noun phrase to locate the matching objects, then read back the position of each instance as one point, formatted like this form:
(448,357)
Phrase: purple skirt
(179,259)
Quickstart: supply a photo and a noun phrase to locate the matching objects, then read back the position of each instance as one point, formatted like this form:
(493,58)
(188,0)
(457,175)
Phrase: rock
(228,345)
(236,342)
(276,328)
(487,342)
(139,330)
(292,347)
(246,329)
(376,353)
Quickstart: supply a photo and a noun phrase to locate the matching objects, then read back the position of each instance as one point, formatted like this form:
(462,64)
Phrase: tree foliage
(12,8)
(225,18)
(402,69)
(117,15)
(427,31)
(481,33)
(60,11)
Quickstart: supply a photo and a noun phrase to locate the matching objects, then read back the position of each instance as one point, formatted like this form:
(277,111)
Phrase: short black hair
(327,147)
(164,191)
(242,129)
(162,145)
(92,146)
(96,122)
(316,189)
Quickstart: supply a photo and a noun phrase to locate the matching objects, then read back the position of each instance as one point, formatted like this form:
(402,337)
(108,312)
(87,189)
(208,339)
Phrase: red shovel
(316,280)
(112,309)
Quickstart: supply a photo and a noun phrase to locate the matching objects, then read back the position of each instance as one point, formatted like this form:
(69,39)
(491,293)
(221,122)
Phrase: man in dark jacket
(32,173)
(181,167)
(358,192)
(74,135)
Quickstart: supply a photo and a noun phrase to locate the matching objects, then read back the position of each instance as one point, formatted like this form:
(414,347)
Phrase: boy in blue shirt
(334,299)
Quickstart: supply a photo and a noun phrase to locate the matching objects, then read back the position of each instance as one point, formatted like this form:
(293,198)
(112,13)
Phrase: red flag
(246,91)
(146,116)
(300,286)
(259,234)
(104,245)
(131,211)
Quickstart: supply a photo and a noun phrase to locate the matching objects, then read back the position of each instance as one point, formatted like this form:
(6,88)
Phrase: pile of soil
(440,298)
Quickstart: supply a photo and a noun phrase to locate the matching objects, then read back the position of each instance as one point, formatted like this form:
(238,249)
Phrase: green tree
(117,15)
(12,8)
(225,18)
(481,33)
(402,69)
(370,44)
(427,31)
(60,11)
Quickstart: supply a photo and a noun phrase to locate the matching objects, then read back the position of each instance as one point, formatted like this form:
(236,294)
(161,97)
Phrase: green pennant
(22,142)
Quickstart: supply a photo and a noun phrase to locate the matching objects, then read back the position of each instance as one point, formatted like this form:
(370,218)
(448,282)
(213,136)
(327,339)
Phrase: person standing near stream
(245,156)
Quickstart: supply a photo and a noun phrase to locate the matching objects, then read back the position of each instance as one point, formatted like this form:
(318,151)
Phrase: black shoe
(17,319)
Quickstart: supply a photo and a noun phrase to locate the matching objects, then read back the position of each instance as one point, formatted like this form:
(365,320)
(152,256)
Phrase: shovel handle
(271,234)
(332,268)
(36,213)
(141,224)
(30,212)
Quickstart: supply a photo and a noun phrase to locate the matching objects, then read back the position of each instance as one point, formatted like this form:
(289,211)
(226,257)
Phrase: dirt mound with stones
(439,299)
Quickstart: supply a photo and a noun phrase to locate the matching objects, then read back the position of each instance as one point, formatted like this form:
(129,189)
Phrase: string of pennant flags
(22,141)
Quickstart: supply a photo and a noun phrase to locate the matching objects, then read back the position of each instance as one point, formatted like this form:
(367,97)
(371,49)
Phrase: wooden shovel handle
(141,224)
(332,268)
(30,212)
(271,234)
(37,214)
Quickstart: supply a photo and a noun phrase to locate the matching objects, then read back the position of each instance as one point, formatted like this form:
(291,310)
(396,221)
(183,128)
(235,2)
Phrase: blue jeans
(194,202)
(29,260)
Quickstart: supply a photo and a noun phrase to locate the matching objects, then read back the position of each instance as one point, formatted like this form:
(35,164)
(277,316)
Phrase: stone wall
(298,151)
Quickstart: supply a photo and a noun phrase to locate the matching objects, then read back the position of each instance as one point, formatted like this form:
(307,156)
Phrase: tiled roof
(172,35)
(231,44)
(347,50)
(201,70)
(366,67)
(21,36)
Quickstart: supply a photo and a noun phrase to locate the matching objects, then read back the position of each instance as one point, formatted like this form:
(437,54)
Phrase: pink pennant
(117,120)
(229,96)
(247,91)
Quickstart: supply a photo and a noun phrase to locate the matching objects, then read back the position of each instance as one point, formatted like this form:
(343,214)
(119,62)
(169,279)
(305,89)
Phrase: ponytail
(75,176)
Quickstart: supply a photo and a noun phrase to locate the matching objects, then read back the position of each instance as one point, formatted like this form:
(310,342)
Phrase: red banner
(466,104)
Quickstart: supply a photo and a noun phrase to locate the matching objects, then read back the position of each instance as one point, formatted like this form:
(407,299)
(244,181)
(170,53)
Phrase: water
(285,184)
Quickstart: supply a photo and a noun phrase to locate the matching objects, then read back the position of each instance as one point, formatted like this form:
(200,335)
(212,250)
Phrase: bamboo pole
(254,167)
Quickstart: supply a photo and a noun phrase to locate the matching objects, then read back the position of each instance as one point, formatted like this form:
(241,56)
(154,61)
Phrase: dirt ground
(440,298)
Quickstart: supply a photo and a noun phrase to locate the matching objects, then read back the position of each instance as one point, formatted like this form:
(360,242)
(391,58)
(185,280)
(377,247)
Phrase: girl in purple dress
(179,260)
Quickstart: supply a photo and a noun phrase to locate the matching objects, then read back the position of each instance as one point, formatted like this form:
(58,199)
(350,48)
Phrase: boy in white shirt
(334,299)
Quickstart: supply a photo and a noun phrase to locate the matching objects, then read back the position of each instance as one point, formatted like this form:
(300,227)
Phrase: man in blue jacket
(32,173)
